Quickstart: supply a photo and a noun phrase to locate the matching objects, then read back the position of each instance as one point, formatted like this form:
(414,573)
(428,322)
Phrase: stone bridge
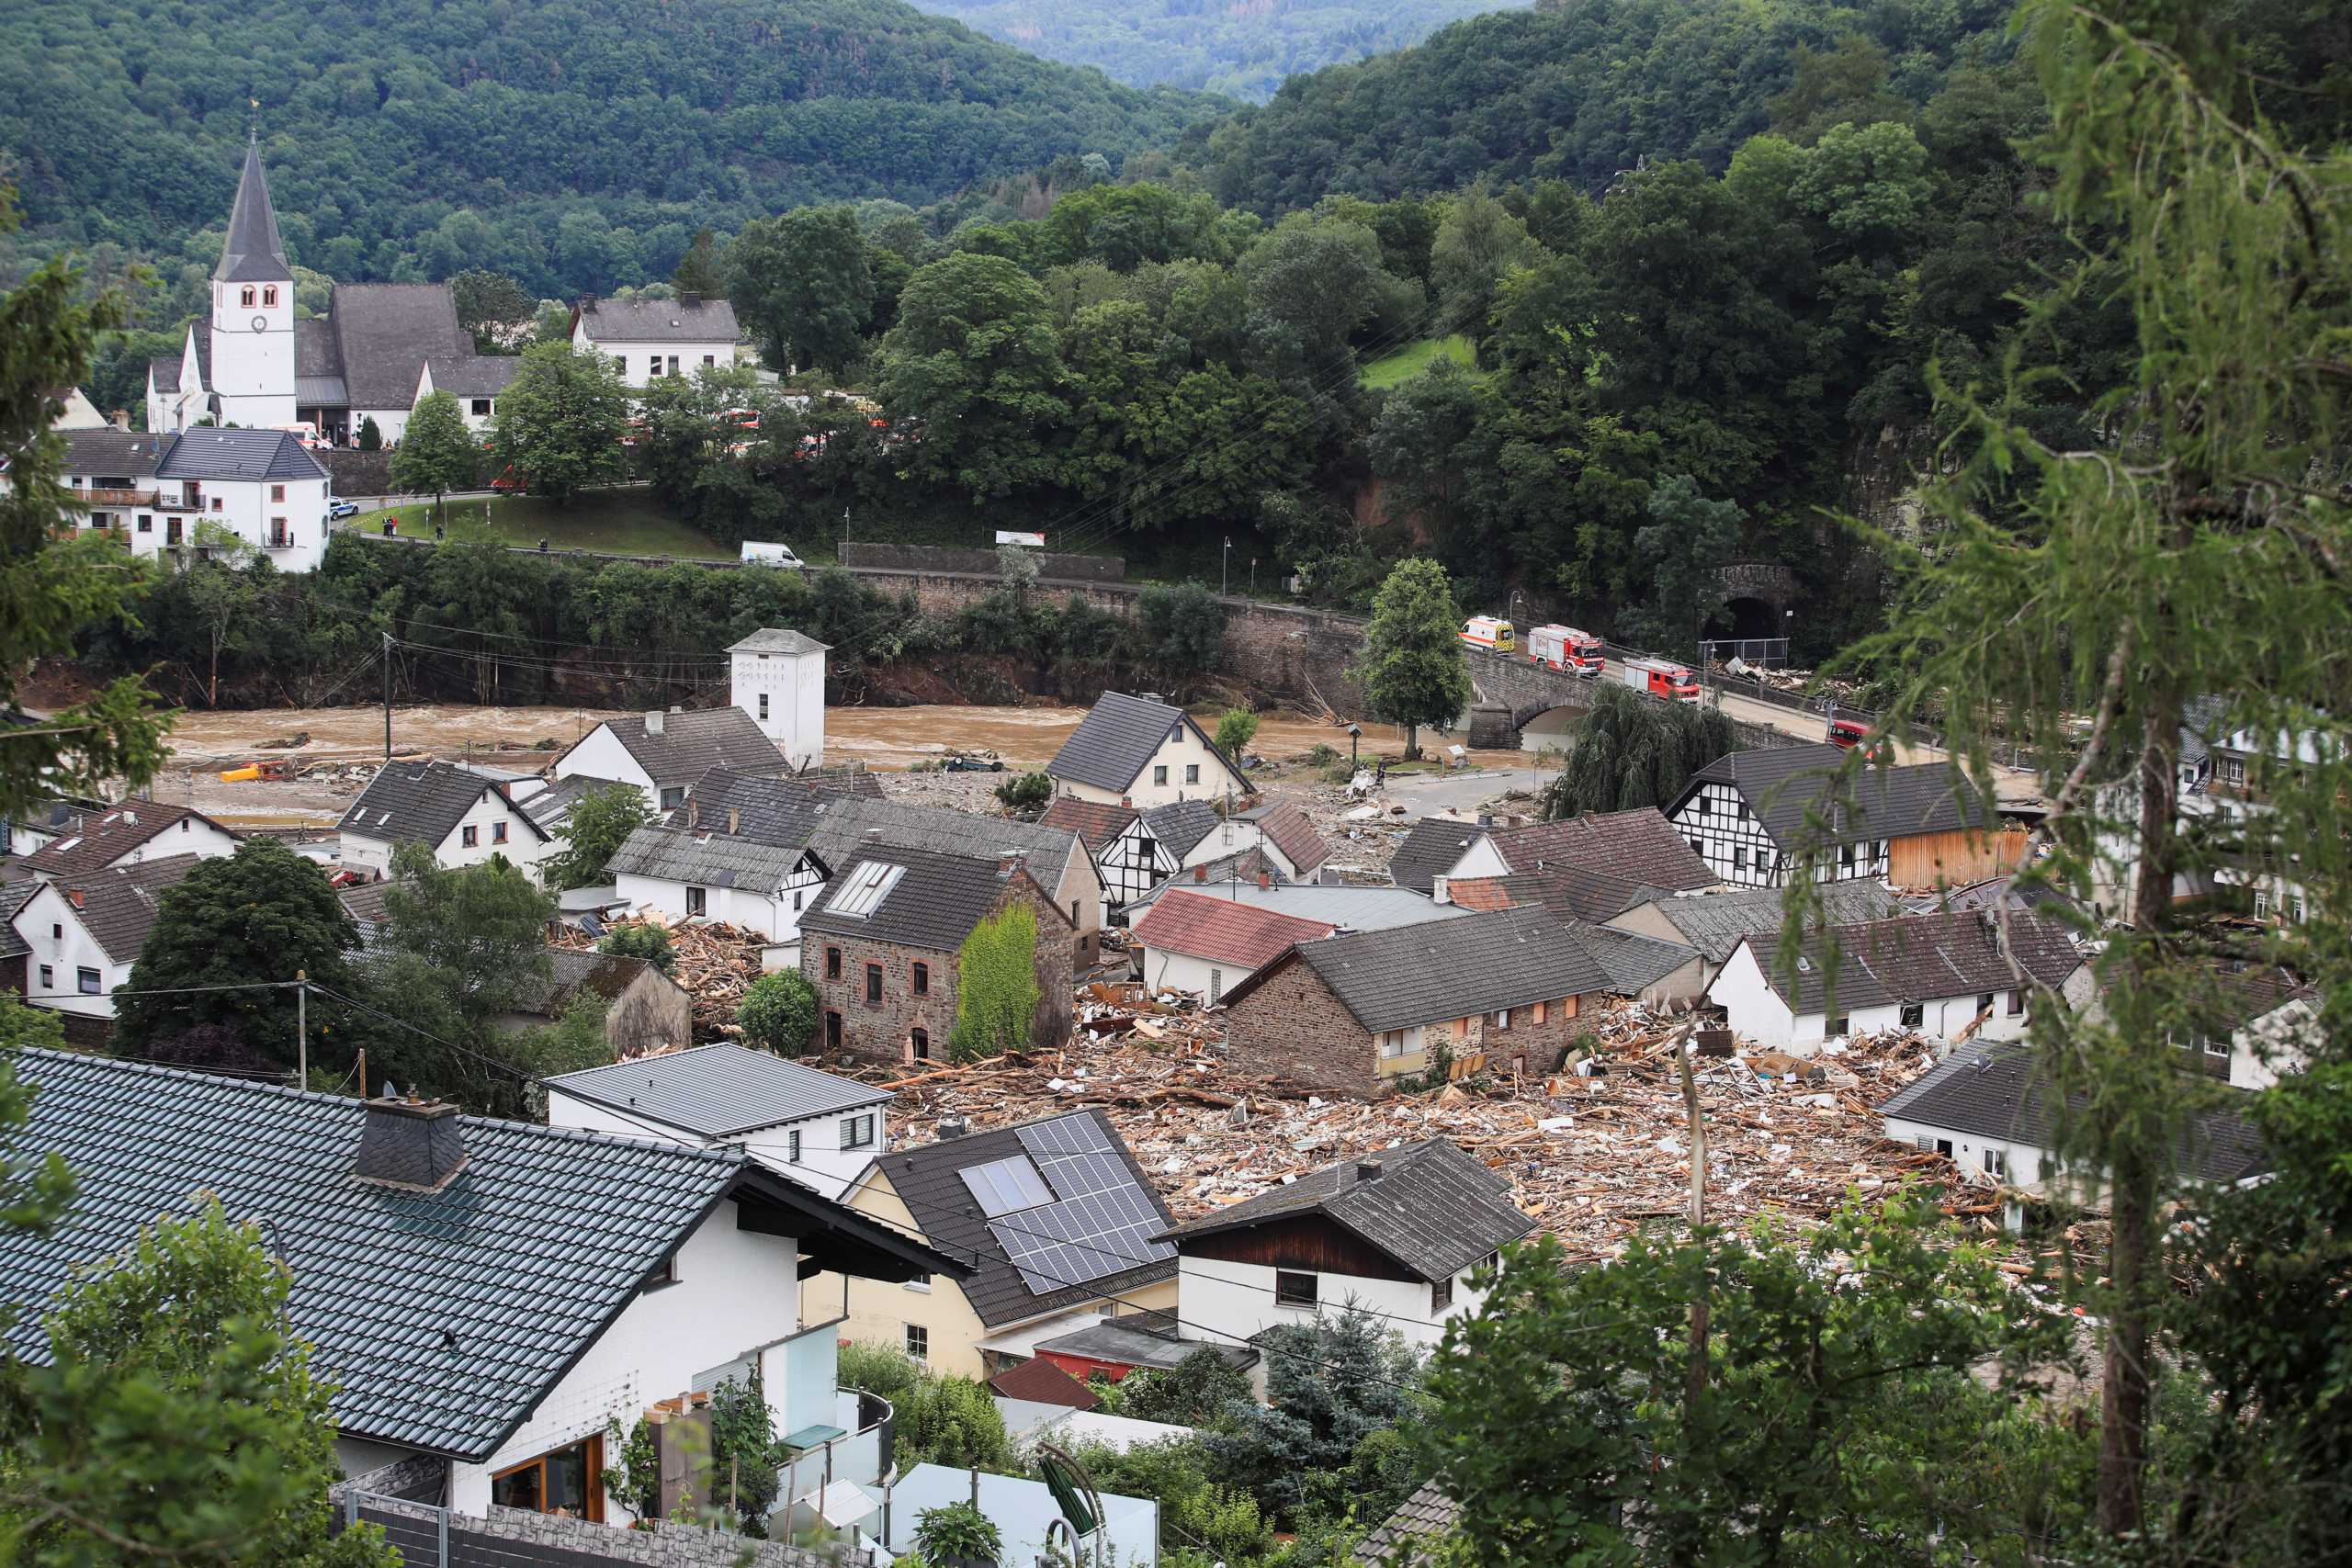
(1516,695)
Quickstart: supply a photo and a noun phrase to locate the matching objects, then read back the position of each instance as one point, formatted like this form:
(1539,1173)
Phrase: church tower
(253,310)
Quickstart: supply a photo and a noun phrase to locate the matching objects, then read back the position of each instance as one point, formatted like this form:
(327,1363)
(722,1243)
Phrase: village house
(41,823)
(1053,857)
(648,339)
(1190,941)
(1641,967)
(1950,977)
(75,411)
(487,1297)
(664,753)
(1142,752)
(476,381)
(816,1128)
(1354,1013)
(1062,1227)
(1282,834)
(1714,924)
(1399,1232)
(643,1009)
(883,947)
(1638,847)
(83,933)
(88,841)
(461,817)
(1137,851)
(1350,907)
(201,491)
(1431,847)
(1914,826)
(736,853)
(2224,805)
(778,678)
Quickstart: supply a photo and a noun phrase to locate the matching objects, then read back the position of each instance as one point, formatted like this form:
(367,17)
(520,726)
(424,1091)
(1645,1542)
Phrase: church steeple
(253,252)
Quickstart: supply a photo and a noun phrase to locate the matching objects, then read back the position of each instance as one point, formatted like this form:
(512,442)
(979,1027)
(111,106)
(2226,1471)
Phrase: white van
(758,553)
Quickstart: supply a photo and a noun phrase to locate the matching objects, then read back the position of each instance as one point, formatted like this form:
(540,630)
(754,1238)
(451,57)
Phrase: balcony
(166,501)
(98,497)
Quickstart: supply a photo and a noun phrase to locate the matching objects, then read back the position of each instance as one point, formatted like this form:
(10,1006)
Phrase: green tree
(492,307)
(997,993)
(1330,1384)
(1183,629)
(225,592)
(952,1421)
(438,452)
(972,358)
(1236,728)
(700,271)
(1412,671)
(802,283)
(1025,792)
(779,1013)
(1628,750)
(648,939)
(371,435)
(478,933)
(50,590)
(1199,1391)
(177,1420)
(257,916)
(600,823)
(1477,245)
(558,422)
(957,1532)
(1689,538)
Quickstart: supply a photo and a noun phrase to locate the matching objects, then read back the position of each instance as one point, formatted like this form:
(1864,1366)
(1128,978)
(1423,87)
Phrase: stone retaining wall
(861,556)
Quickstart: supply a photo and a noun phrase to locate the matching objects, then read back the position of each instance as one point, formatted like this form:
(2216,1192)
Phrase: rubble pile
(716,963)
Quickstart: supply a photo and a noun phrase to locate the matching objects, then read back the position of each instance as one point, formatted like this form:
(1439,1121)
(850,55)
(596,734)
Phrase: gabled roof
(1782,784)
(550,805)
(1095,822)
(1444,969)
(687,319)
(252,252)
(691,744)
(929,1181)
(719,1091)
(771,641)
(764,807)
(14,896)
(473,375)
(1635,962)
(1995,1090)
(384,333)
(119,908)
(932,902)
(1432,1208)
(1639,846)
(105,838)
(1182,825)
(447,1315)
(113,454)
(1715,923)
(1042,1382)
(1286,828)
(842,781)
(1117,739)
(1405,1536)
(704,857)
(165,373)
(1917,958)
(1350,907)
(573,972)
(1194,924)
(421,803)
(855,827)
(1430,850)
(1572,892)
(232,454)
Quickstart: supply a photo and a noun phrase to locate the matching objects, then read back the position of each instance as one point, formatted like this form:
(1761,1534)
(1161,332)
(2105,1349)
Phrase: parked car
(338,507)
(507,483)
(969,762)
(758,552)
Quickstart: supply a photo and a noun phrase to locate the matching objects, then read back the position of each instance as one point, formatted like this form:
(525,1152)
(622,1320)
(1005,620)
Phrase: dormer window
(245,297)
(269,294)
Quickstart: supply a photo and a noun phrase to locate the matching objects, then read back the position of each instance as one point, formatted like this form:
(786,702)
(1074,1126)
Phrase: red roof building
(1196,942)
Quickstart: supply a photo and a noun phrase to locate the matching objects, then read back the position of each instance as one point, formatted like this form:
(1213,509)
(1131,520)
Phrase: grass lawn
(618,521)
(1415,357)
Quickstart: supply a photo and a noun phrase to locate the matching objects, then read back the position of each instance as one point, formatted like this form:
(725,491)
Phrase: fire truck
(1564,647)
(1661,679)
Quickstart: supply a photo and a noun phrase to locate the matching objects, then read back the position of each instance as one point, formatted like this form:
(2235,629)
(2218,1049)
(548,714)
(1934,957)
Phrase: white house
(476,381)
(648,339)
(261,486)
(489,1298)
(1639,848)
(1398,1232)
(1191,940)
(1144,752)
(84,933)
(463,817)
(778,678)
(1944,975)
(664,753)
(75,411)
(706,873)
(87,841)
(818,1129)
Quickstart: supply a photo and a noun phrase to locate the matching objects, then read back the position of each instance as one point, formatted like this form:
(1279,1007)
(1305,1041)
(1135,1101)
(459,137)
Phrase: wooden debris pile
(1109,1008)
(715,962)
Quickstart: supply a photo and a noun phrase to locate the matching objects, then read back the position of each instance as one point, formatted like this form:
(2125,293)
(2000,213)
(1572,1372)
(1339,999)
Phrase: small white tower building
(779,680)
(253,311)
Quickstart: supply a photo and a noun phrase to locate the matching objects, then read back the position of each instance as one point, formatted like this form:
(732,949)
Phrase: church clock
(261,323)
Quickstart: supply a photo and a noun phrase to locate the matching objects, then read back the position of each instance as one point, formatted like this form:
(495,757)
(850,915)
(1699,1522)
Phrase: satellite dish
(391,1089)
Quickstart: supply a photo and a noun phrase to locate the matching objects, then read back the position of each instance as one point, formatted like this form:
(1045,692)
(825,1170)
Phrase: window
(245,297)
(792,1146)
(918,1342)
(86,981)
(269,294)
(1763,863)
(1742,812)
(763,708)
(1392,1043)
(1440,1295)
(1696,847)
(920,1043)
(1914,1014)
(1984,1004)
(833,1032)
(697,902)
(665,1275)
(1502,1020)
(1845,857)
(919,1282)
(146,522)
(1543,1010)
(215,506)
(2261,904)
(1216,987)
(1836,1025)
(857,1131)
(922,979)
(481,408)
(47,978)
(1878,849)
(277,493)
(2234,769)
(832,963)
(1293,1290)
(2017,1002)
(797,894)
(2295,908)
(620,362)
(1192,773)
(280,536)
(874,985)
(469,835)
(654,366)
(497,832)
(56,932)
(710,359)
(1739,858)
(674,364)
(2216,1048)
(673,799)
(1996,1162)
(1160,775)
(567,1482)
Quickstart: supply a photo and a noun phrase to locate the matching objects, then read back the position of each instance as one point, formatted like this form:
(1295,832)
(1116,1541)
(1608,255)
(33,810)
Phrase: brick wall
(858,555)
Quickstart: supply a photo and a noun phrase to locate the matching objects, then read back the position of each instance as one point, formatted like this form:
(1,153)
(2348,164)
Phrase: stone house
(1054,858)
(883,945)
(1354,1013)
(644,1008)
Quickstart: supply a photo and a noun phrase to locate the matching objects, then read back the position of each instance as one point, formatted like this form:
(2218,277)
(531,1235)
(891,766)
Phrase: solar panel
(1007,1186)
(868,886)
(1100,1221)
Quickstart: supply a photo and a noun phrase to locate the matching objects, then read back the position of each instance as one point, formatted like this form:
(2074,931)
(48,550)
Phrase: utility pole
(387,696)
(302,1026)
(1225,570)
(1684,1047)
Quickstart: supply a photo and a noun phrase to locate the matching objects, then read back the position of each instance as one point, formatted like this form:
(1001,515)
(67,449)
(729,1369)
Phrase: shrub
(1322,756)
(1235,730)
(958,1529)
(997,992)
(1025,792)
(876,1369)
(779,1013)
(644,940)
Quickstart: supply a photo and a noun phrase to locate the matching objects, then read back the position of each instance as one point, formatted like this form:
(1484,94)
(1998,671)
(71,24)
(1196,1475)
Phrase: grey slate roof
(383,334)
(252,252)
(717,1091)
(100,839)
(1638,846)
(1715,923)
(928,1182)
(1995,1090)
(934,905)
(1917,958)
(855,827)
(1633,962)
(418,803)
(1781,784)
(550,807)
(119,908)
(1444,969)
(1573,893)
(1286,828)
(701,858)
(572,971)
(1126,1339)
(322,391)
(659,320)
(1117,739)
(1350,907)
(446,1316)
(473,375)
(691,744)
(210,454)
(771,641)
(781,812)
(1182,825)
(1433,1208)
(1403,1537)
(113,454)
(1430,850)
(14,896)
(165,373)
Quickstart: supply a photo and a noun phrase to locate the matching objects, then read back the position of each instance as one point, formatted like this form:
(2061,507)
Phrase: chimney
(1265,880)
(1200,873)
(1127,801)
(1367,1171)
(694,812)
(734,820)
(952,1127)
(410,1143)
(1442,889)
(586,302)
(653,721)
(691,301)
(74,897)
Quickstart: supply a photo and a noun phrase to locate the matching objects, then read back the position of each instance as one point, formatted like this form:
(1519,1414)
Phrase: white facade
(1131,865)
(283,519)
(197,836)
(1165,969)
(785,695)
(1758,1013)
(2004,1160)
(252,352)
(640,363)
(491,825)
(825,1152)
(1186,767)
(476,409)
(2279,1043)
(773,913)
(1217,1299)
(67,969)
(601,755)
(1721,830)
(77,412)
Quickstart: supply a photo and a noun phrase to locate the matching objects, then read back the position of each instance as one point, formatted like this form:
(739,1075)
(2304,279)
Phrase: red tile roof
(1202,926)
(1482,892)
(105,837)
(1287,828)
(1095,822)
(1042,1382)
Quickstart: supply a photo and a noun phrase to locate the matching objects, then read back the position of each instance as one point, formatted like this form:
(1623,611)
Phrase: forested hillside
(1242,48)
(573,145)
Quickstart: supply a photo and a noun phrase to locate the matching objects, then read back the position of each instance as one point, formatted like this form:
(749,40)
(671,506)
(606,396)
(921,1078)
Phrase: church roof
(164,373)
(253,252)
(385,332)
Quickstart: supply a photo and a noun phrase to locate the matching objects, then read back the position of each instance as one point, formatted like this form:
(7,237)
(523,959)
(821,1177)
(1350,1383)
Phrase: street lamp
(1515,597)
(1225,570)
(1355,734)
